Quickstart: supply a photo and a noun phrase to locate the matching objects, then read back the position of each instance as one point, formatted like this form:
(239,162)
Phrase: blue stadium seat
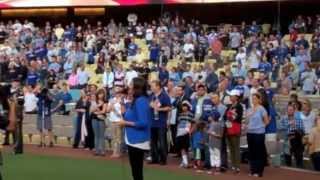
(75,94)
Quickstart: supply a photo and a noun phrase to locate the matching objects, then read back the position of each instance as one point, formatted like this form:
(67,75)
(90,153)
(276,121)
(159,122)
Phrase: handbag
(233,127)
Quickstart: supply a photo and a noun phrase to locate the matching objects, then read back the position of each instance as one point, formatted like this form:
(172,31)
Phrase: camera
(18,95)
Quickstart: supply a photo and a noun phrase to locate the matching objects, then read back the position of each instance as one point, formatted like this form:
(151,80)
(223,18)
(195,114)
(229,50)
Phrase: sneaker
(237,171)
(149,158)
(256,175)
(181,165)
(199,171)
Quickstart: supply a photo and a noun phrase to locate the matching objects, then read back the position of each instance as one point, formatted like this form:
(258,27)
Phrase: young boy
(185,118)
(215,134)
(198,146)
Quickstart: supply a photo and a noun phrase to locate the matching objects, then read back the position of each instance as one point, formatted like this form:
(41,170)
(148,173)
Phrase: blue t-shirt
(30,55)
(154,52)
(256,124)
(55,67)
(40,52)
(132,49)
(159,119)
(163,75)
(265,67)
(197,140)
(65,97)
(32,78)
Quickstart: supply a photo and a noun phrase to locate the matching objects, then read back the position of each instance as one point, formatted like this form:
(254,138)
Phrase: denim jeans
(159,145)
(99,128)
(77,136)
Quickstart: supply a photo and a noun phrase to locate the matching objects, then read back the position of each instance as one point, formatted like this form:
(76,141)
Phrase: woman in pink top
(73,79)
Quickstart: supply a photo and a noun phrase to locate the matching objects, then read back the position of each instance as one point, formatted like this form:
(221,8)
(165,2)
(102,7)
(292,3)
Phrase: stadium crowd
(205,107)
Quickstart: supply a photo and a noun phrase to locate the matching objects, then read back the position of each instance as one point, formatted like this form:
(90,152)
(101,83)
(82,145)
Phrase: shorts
(183,142)
(199,154)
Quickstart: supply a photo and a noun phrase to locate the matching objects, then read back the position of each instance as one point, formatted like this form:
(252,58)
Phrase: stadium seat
(75,94)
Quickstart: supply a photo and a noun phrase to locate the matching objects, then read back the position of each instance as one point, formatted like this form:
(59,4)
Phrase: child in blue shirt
(198,145)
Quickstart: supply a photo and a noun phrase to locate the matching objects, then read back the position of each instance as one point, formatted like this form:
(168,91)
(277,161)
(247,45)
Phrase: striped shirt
(288,127)
(184,123)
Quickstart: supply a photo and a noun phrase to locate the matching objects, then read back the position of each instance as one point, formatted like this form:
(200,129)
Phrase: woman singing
(137,126)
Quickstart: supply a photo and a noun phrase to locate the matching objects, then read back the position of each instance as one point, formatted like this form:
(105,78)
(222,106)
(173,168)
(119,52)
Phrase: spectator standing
(44,121)
(160,105)
(98,123)
(257,121)
(30,101)
(235,39)
(314,142)
(185,118)
(83,109)
(108,78)
(83,77)
(73,79)
(291,127)
(114,107)
(233,118)
(308,80)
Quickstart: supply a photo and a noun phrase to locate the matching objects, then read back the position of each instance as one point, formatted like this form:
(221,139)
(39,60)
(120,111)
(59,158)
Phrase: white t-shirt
(235,38)
(241,57)
(115,114)
(30,102)
(149,34)
(129,76)
(254,60)
(188,49)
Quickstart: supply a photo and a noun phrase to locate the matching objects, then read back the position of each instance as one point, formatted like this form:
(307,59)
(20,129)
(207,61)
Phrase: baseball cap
(234,92)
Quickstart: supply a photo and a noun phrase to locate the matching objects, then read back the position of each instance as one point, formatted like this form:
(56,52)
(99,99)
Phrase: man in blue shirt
(163,75)
(132,50)
(32,78)
(160,106)
(154,52)
(54,65)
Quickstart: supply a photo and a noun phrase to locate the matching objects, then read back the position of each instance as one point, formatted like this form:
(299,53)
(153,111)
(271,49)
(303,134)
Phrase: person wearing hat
(185,119)
(232,118)
(108,78)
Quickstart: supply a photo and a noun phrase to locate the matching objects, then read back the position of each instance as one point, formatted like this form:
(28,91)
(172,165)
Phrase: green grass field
(33,167)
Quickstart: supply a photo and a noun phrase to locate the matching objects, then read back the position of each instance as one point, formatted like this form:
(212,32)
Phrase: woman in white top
(308,116)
